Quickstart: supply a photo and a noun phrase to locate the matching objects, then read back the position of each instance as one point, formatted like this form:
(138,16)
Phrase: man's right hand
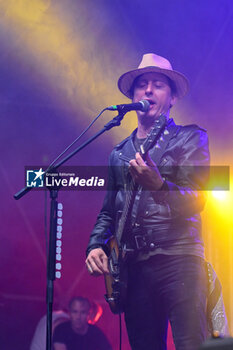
(97,262)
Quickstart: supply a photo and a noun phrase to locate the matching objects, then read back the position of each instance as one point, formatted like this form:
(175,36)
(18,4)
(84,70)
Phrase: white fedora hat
(152,63)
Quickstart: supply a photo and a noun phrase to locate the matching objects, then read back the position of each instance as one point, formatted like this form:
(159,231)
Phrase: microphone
(142,105)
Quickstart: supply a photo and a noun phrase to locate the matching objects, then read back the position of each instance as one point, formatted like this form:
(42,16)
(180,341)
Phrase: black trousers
(164,288)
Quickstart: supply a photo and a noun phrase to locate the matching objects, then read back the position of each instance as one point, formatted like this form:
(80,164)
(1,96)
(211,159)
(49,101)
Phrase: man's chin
(77,326)
(152,114)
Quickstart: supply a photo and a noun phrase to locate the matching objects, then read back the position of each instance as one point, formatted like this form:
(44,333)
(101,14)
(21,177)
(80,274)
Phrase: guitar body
(116,280)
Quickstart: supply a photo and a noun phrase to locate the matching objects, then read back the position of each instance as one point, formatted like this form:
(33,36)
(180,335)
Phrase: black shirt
(94,339)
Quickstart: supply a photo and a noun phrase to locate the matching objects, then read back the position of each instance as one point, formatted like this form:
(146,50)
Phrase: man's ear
(173,100)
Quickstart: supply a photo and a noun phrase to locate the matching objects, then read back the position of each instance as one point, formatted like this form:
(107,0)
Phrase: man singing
(166,275)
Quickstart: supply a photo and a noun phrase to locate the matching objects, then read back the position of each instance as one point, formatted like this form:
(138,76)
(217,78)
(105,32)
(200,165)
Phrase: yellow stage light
(220,195)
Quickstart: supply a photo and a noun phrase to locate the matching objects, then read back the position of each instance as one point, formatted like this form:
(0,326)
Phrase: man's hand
(145,174)
(97,262)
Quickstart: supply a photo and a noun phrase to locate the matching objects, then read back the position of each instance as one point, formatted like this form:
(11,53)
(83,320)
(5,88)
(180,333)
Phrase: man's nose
(149,89)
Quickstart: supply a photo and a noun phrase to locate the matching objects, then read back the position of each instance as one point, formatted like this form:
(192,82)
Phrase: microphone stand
(116,121)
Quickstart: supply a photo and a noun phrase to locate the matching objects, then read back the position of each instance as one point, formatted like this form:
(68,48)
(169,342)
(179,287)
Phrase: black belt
(147,240)
(144,242)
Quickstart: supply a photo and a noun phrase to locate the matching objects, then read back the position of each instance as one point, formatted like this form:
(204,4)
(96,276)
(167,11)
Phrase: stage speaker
(218,344)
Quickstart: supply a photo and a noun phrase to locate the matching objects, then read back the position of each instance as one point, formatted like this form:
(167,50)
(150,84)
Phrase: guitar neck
(133,187)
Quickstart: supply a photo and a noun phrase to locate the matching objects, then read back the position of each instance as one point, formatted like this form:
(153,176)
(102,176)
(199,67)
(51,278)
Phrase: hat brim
(181,83)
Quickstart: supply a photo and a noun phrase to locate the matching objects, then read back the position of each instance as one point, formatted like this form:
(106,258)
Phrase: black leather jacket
(171,215)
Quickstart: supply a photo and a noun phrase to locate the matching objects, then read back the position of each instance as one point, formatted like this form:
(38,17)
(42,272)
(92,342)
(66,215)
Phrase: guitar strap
(156,153)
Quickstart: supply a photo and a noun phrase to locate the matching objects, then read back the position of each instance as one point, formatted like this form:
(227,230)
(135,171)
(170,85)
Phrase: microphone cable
(77,139)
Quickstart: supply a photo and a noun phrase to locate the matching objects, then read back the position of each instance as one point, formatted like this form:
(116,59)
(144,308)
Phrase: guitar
(116,280)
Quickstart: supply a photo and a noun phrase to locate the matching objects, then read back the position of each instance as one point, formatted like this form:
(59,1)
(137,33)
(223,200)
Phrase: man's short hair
(80,300)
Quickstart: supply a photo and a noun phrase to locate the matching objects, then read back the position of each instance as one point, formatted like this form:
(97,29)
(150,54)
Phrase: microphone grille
(145,105)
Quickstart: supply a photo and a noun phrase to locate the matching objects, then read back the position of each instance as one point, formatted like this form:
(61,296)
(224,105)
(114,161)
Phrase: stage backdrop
(59,65)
